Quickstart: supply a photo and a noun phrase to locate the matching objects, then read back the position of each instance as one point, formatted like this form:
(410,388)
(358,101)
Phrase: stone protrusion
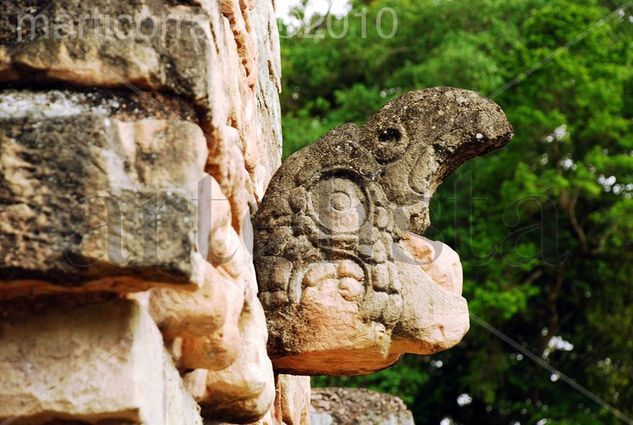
(291,406)
(347,282)
(203,326)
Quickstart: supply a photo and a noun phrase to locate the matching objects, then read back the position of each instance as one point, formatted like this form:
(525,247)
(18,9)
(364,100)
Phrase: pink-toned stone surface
(244,125)
(329,331)
(244,391)
(437,259)
(292,401)
(233,376)
(291,406)
(203,325)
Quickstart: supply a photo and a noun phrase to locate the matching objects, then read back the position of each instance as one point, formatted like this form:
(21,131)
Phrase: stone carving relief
(348,283)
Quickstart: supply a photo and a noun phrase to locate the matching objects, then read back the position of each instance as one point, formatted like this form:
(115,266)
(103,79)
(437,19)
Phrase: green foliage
(543,227)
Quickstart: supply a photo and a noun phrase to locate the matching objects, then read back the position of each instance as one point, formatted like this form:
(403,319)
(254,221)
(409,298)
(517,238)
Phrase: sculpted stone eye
(389,135)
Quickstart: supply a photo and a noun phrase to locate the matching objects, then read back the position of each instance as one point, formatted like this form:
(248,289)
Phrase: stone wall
(136,139)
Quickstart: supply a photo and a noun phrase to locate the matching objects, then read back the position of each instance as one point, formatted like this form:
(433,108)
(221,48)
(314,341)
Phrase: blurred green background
(543,227)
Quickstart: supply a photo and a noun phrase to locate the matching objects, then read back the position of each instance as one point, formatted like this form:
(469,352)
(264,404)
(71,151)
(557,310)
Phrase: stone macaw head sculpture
(347,281)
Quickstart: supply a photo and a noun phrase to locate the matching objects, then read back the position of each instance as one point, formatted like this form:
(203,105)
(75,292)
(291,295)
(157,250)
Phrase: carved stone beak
(458,126)
(446,127)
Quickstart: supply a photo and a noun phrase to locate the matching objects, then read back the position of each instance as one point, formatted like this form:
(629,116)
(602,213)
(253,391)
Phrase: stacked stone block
(136,138)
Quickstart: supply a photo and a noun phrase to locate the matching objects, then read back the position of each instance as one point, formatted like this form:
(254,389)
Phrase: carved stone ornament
(347,283)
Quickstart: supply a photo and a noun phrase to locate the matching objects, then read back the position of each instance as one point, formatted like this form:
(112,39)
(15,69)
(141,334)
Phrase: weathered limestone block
(101,191)
(346,285)
(107,43)
(268,89)
(255,110)
(244,124)
(90,201)
(222,56)
(243,392)
(96,363)
(352,406)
